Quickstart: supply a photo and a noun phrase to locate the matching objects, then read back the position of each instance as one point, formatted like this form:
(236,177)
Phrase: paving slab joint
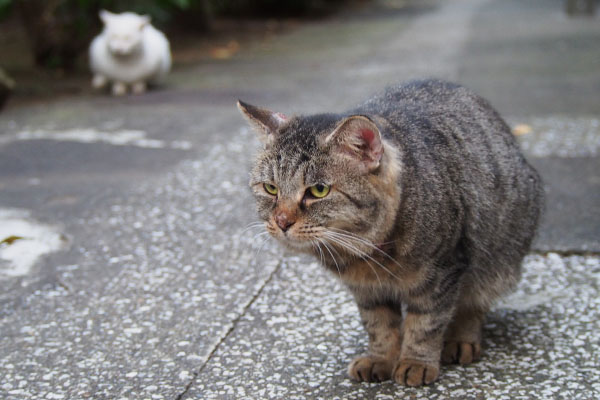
(229,331)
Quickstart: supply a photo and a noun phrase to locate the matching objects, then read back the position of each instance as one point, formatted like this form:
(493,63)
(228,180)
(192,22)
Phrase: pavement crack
(234,324)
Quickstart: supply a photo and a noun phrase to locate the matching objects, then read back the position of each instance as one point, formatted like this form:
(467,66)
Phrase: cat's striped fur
(430,210)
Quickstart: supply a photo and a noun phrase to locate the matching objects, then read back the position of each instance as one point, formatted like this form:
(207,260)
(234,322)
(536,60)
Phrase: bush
(58,30)
(270,8)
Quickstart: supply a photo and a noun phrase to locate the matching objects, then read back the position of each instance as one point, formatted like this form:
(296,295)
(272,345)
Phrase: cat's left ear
(265,122)
(359,138)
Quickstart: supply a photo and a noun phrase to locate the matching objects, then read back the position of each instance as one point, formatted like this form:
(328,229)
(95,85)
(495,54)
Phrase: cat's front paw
(119,89)
(460,352)
(370,369)
(415,373)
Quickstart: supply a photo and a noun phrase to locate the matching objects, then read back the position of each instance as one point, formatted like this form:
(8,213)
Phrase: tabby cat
(419,200)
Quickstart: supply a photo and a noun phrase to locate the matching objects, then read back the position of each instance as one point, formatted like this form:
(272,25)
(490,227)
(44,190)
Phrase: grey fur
(433,230)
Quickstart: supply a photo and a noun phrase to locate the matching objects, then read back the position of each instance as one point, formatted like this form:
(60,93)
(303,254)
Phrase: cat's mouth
(297,245)
(290,238)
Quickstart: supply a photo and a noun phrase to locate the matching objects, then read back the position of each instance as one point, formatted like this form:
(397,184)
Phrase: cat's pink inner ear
(373,144)
(367,135)
(359,138)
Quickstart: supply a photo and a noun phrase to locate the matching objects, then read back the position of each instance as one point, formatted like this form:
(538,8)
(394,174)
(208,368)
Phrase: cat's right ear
(265,122)
(105,16)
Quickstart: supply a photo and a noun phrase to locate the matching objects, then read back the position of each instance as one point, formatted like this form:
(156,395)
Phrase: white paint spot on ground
(123,137)
(23,242)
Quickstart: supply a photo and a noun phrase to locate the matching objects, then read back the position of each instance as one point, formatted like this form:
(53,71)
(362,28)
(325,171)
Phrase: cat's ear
(264,121)
(144,21)
(359,138)
(105,16)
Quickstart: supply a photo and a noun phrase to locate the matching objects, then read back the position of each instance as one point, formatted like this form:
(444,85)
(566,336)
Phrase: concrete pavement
(163,290)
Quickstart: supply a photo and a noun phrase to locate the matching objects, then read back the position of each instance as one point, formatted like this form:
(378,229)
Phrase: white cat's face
(123,31)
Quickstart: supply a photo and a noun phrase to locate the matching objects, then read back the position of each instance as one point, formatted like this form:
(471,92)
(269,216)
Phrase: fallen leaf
(225,52)
(11,239)
(521,129)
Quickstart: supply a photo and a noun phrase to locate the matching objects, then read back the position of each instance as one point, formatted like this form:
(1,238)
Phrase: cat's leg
(99,81)
(383,324)
(429,311)
(463,338)
(119,89)
(422,345)
(138,87)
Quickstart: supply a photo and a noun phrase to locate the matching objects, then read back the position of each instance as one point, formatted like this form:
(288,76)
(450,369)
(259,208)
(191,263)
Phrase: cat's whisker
(262,244)
(335,251)
(368,243)
(343,242)
(252,225)
(352,248)
(365,257)
(259,234)
(324,243)
(373,269)
(316,245)
(359,252)
(255,237)
(360,239)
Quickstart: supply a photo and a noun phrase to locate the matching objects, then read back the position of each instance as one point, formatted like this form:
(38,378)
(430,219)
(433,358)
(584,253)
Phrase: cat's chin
(298,245)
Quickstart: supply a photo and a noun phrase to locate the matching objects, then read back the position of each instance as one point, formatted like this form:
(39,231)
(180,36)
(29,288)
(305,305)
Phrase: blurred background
(44,43)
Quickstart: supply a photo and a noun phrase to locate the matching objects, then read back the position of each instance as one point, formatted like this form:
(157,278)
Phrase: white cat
(128,52)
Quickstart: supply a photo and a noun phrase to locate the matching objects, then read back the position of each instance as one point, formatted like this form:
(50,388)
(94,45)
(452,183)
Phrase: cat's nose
(284,220)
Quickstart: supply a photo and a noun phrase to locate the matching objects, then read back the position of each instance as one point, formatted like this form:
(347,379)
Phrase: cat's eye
(319,190)
(271,189)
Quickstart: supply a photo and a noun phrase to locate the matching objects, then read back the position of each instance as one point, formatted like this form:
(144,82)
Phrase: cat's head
(324,180)
(123,31)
